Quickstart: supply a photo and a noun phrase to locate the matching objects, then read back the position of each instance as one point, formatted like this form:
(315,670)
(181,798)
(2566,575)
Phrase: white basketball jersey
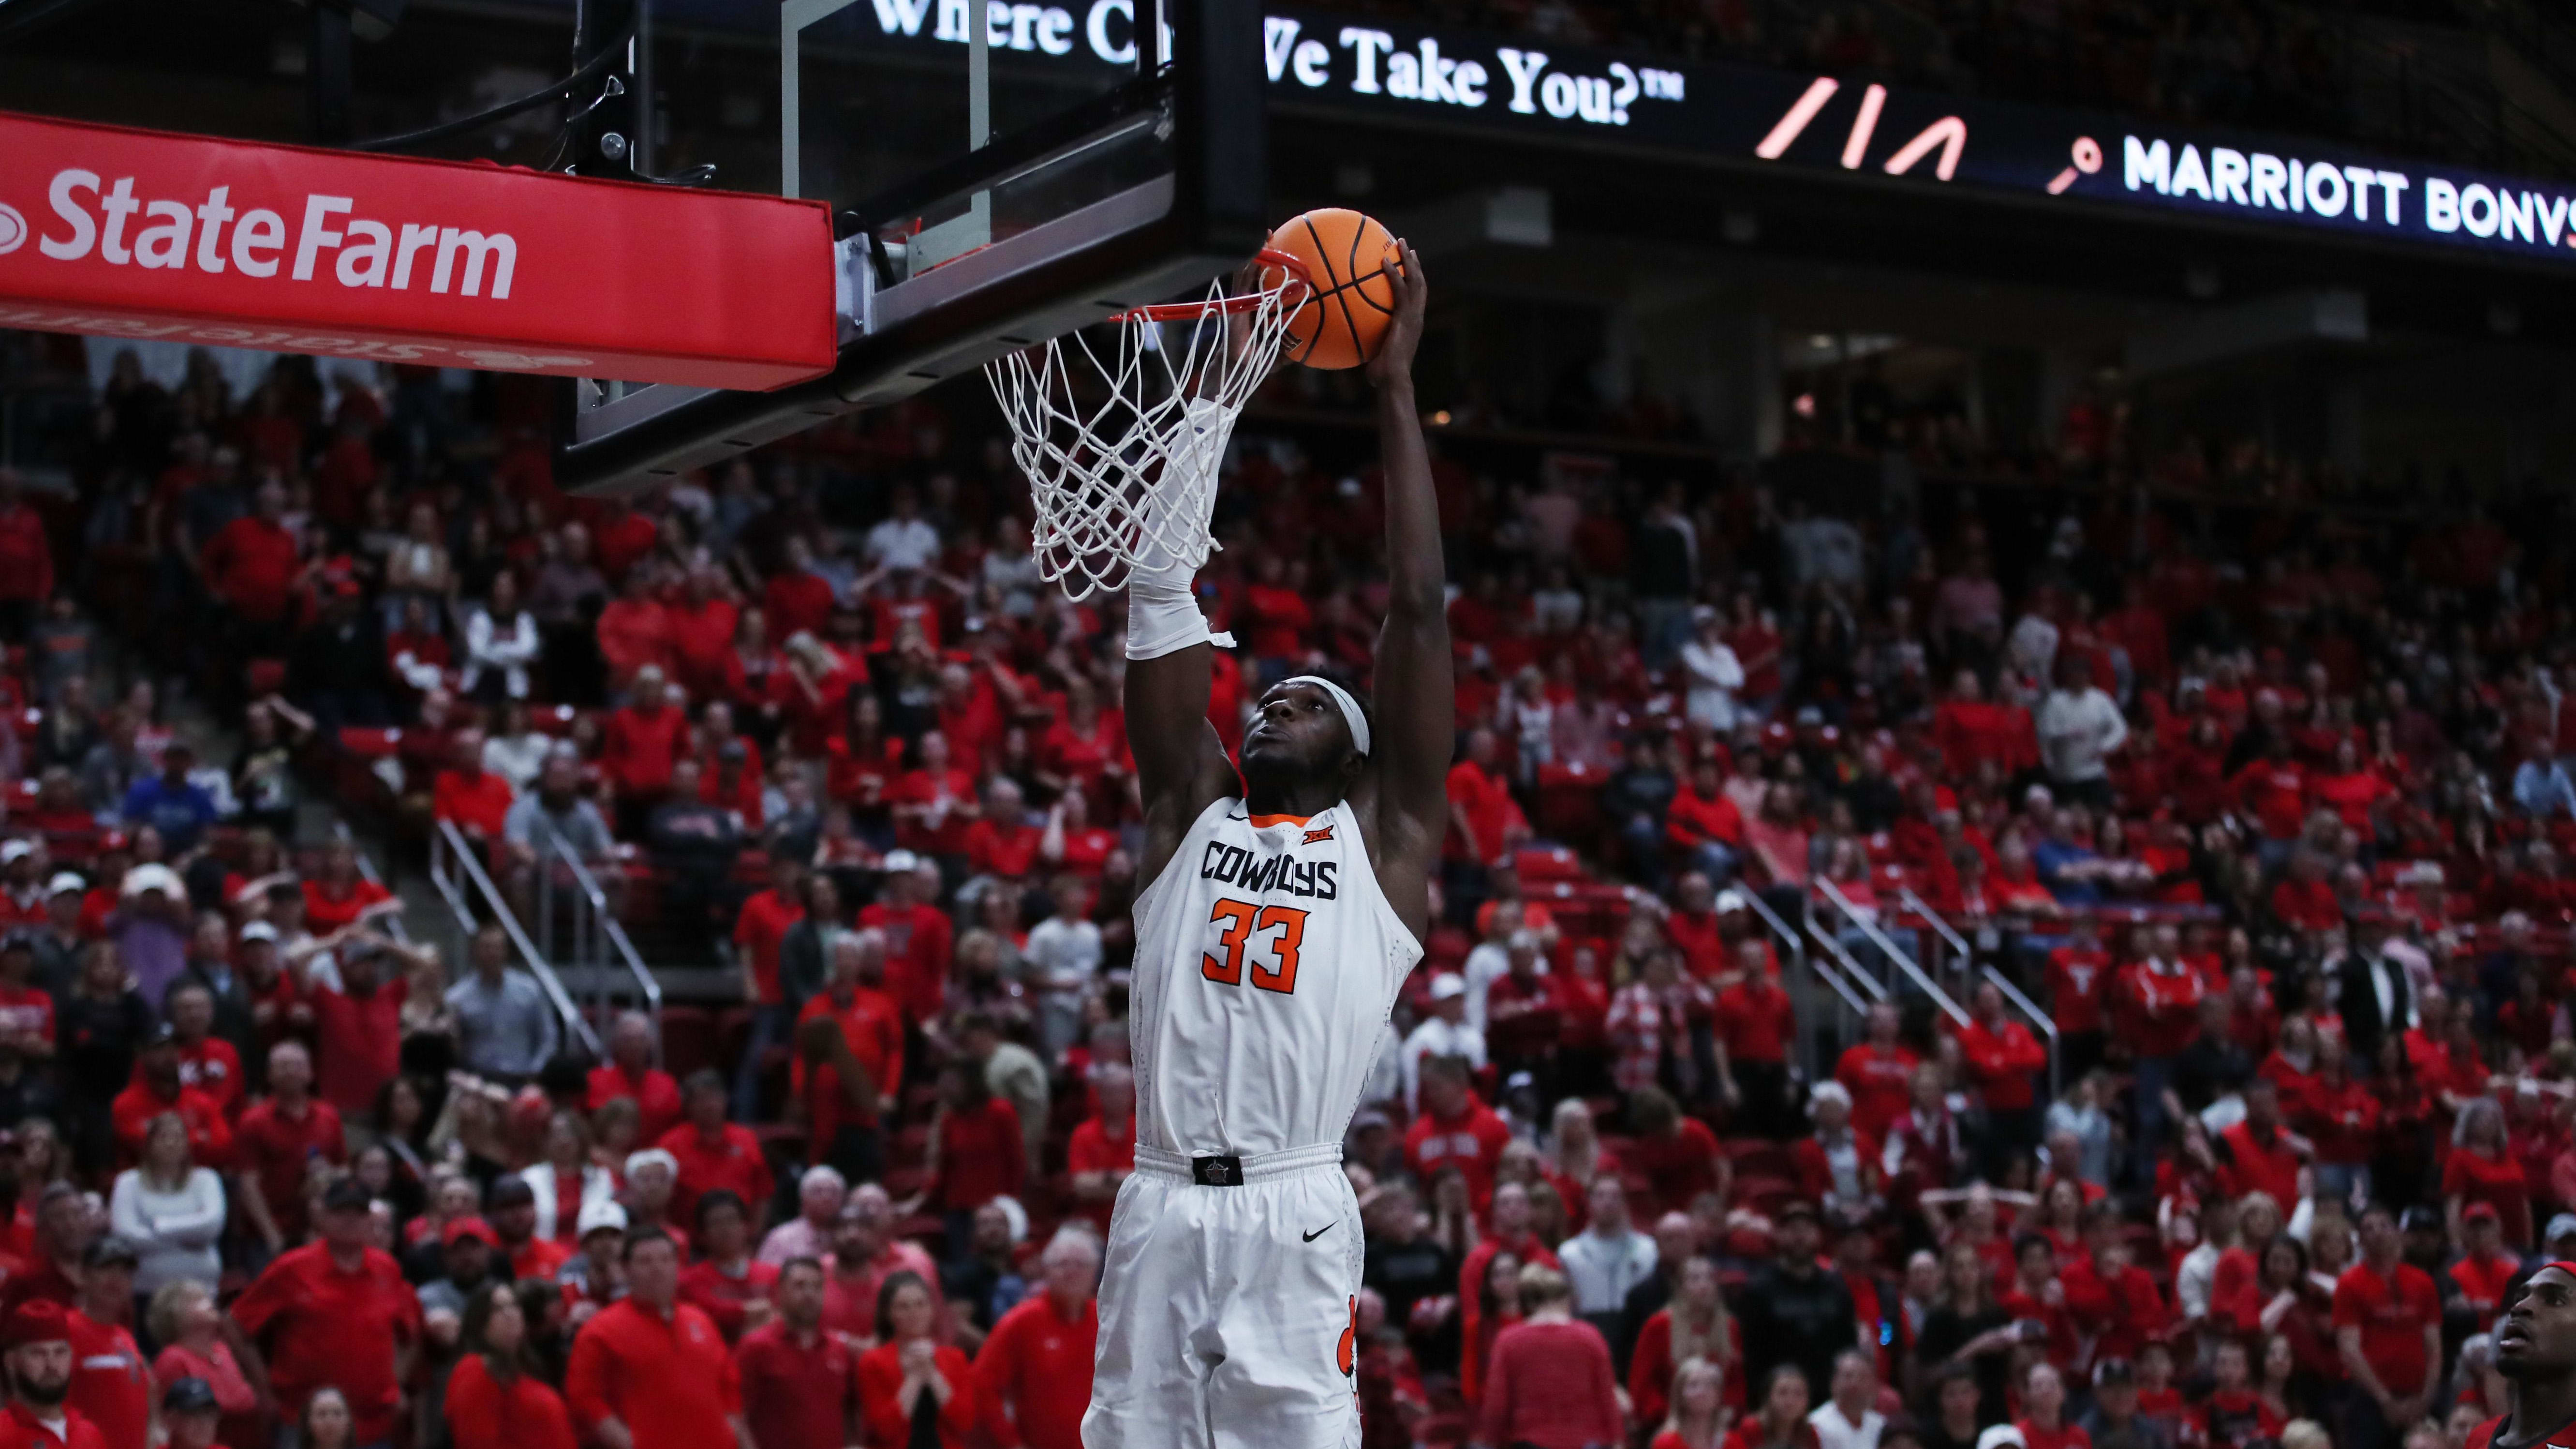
(1267,961)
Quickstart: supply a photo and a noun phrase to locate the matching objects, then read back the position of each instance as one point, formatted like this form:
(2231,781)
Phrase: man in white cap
(1284,908)
(1444,1033)
(150,928)
(22,881)
(596,1276)
(918,935)
(58,935)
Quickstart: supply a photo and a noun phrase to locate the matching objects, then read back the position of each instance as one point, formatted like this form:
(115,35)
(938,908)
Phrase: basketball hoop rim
(1270,258)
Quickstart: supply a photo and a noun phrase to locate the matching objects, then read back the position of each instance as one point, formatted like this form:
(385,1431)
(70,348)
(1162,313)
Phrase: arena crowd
(2264,813)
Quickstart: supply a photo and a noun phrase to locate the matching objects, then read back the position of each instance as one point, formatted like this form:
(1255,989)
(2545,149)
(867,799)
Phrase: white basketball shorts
(1227,1312)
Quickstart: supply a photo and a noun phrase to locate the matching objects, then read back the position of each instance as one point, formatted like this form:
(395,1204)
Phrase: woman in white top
(567,1161)
(500,643)
(417,566)
(517,751)
(170,1210)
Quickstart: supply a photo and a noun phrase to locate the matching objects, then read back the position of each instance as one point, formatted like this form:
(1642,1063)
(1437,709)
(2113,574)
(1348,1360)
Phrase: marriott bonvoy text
(2259,181)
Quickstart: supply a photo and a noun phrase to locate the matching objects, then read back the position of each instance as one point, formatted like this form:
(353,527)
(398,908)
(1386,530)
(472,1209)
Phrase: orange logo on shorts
(1349,1353)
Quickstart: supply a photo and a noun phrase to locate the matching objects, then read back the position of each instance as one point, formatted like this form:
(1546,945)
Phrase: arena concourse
(1986,902)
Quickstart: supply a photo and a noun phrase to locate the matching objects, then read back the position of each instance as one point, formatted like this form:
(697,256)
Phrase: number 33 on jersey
(1266,962)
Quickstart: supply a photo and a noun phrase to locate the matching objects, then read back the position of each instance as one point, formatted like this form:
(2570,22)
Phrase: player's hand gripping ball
(1353,262)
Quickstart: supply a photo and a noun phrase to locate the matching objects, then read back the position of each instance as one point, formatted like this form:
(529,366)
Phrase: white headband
(1350,707)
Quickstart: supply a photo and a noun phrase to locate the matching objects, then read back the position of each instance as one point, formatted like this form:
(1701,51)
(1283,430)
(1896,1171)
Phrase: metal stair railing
(600,948)
(1896,955)
(1835,952)
(393,922)
(1941,929)
(456,872)
(2039,1020)
(1806,968)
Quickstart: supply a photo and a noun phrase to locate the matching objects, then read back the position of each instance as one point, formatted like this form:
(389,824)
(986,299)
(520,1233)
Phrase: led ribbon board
(1751,116)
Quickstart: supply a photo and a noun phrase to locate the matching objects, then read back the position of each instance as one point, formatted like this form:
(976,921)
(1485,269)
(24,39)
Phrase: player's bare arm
(1403,802)
(1180,765)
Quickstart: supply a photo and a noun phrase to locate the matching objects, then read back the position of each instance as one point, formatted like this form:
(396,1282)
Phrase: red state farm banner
(124,233)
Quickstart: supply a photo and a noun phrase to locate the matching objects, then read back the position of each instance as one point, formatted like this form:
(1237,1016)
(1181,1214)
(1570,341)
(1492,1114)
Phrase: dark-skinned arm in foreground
(1403,801)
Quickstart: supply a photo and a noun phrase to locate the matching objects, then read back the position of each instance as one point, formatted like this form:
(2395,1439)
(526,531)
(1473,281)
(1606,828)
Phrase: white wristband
(1163,615)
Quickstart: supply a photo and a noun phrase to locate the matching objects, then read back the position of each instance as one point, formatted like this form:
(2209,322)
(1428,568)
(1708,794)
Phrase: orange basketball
(1353,262)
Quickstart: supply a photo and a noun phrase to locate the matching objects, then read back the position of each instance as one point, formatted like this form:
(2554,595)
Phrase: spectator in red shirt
(207,1063)
(2484,1269)
(639,743)
(849,1061)
(2111,1299)
(156,1089)
(250,567)
(1484,823)
(2043,1419)
(629,1072)
(713,1153)
(1551,1384)
(734,1289)
(976,1151)
(635,635)
(358,1019)
(1035,1367)
(2274,790)
(111,1384)
(476,799)
(2003,1062)
(919,938)
(1276,619)
(1755,1025)
(2258,1154)
(2305,899)
(701,622)
(1704,825)
(2161,998)
(1454,1129)
(865,1253)
(40,1359)
(798,600)
(278,1136)
(2482,1168)
(759,930)
(1878,1073)
(2388,1328)
(26,559)
(511,1209)
(2077,979)
(336,1313)
(1003,843)
(496,1397)
(800,1383)
(341,895)
(651,1372)
(1677,1155)
(910,1379)
(1102,1154)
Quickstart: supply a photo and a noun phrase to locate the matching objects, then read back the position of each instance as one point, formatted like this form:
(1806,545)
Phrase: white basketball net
(1121,440)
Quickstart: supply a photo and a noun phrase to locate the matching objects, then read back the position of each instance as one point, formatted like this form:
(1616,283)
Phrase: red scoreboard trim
(125,233)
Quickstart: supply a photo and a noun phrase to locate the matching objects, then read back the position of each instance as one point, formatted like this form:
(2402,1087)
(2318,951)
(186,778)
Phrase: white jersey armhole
(1173,867)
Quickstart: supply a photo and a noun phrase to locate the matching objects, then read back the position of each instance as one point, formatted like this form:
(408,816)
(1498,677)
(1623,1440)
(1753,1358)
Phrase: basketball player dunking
(2536,1353)
(1269,948)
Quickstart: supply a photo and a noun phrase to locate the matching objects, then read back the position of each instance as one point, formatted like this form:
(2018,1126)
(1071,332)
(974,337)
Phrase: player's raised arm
(1416,710)
(1180,766)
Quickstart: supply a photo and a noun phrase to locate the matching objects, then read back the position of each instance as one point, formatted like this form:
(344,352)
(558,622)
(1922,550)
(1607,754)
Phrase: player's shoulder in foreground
(2491,1435)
